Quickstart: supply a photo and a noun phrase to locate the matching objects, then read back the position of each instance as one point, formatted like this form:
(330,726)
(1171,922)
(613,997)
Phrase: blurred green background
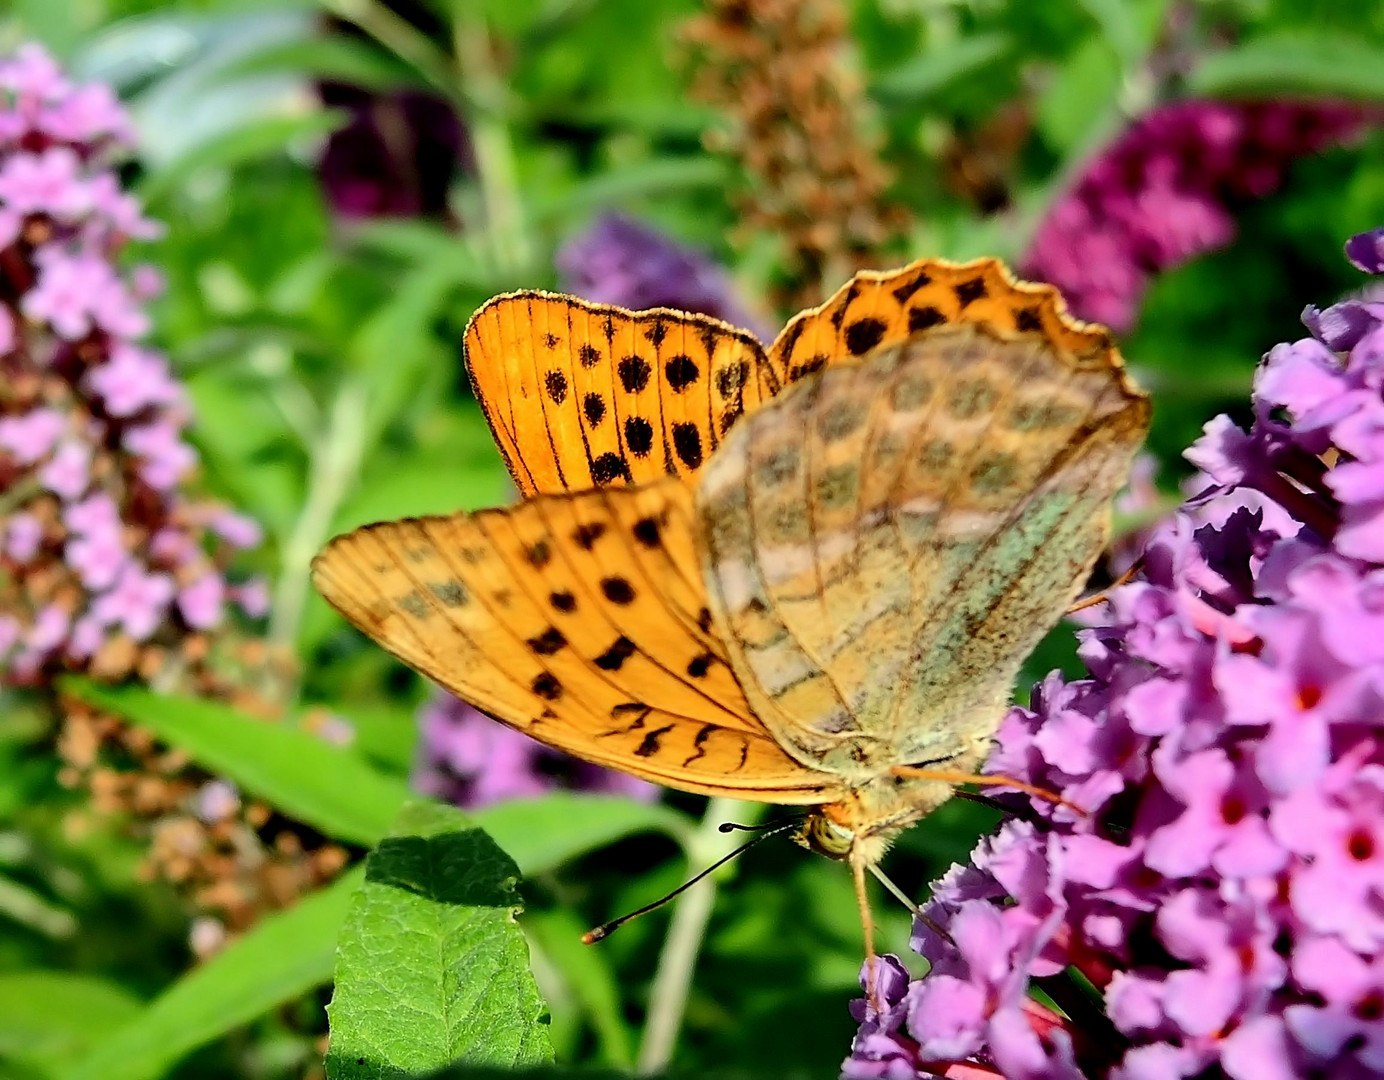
(314,310)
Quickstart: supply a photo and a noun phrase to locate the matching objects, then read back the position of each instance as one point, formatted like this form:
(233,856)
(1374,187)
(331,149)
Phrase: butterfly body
(807,575)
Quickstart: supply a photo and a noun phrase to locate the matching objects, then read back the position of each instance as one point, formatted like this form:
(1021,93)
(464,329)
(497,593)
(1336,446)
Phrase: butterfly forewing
(886,541)
(567,617)
(584,395)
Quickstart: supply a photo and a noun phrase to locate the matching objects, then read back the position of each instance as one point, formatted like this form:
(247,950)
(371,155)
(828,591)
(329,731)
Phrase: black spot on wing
(586,535)
(546,686)
(969,291)
(556,384)
(589,355)
(864,334)
(687,441)
(639,436)
(621,649)
(593,405)
(921,318)
(617,590)
(634,373)
(907,288)
(548,642)
(608,468)
(649,746)
(681,372)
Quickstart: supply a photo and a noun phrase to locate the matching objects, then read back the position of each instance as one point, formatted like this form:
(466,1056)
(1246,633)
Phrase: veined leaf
(432,968)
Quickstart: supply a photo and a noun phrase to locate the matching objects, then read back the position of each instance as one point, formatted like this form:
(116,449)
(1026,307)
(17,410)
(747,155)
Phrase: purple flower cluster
(1165,191)
(623,262)
(1216,909)
(471,760)
(396,156)
(100,550)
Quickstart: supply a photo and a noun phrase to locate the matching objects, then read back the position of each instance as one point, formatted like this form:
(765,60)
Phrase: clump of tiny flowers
(1216,906)
(1166,190)
(624,262)
(106,560)
(109,563)
(471,760)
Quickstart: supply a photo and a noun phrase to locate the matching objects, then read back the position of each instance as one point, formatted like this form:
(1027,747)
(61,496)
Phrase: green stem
(678,960)
(485,91)
(333,465)
(400,37)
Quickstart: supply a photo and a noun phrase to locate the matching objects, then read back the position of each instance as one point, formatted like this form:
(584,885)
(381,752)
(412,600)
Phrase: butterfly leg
(867,922)
(1104,594)
(948,777)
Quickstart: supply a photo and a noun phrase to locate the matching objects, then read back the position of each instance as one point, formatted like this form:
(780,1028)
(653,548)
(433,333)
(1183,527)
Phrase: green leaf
(51,1017)
(330,788)
(546,832)
(282,958)
(1085,86)
(618,186)
(932,71)
(431,966)
(1304,62)
(260,138)
(338,58)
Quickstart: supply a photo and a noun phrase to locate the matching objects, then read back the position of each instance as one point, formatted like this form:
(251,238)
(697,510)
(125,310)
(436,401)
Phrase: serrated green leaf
(431,966)
(330,788)
(283,957)
(932,71)
(1303,62)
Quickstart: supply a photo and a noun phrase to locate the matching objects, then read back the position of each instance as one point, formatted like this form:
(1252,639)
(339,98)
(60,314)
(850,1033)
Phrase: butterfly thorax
(862,826)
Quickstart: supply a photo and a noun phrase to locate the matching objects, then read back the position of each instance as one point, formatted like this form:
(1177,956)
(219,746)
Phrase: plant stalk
(686,930)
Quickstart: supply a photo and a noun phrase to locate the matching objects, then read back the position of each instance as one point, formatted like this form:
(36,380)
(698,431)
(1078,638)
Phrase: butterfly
(806,575)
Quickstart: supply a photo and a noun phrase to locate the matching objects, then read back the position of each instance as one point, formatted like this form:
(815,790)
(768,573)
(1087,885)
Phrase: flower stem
(333,464)
(673,979)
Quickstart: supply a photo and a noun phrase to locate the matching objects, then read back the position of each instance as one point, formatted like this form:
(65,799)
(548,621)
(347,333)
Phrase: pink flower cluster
(100,549)
(1217,910)
(471,760)
(1165,191)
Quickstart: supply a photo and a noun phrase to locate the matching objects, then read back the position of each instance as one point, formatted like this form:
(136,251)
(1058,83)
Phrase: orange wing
(582,395)
(578,619)
(879,308)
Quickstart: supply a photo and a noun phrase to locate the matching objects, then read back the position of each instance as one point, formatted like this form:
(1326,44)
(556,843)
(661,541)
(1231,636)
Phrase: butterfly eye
(828,838)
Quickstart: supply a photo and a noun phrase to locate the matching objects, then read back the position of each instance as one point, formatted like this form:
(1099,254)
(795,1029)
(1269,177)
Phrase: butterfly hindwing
(887,540)
(568,618)
(584,395)
(881,307)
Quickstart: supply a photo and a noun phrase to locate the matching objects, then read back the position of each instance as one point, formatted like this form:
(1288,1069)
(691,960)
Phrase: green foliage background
(324,364)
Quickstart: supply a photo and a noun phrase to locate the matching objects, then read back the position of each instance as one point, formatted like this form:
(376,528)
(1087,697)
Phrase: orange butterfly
(803,576)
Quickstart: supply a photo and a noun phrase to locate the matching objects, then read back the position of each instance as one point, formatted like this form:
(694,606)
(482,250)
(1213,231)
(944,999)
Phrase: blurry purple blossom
(101,545)
(396,155)
(471,760)
(621,261)
(1166,190)
(1224,891)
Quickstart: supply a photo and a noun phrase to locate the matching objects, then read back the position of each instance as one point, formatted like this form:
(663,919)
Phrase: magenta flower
(1223,893)
(1166,191)
(469,759)
(99,540)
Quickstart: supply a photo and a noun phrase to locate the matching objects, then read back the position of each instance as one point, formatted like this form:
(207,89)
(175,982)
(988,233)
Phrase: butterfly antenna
(606,929)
